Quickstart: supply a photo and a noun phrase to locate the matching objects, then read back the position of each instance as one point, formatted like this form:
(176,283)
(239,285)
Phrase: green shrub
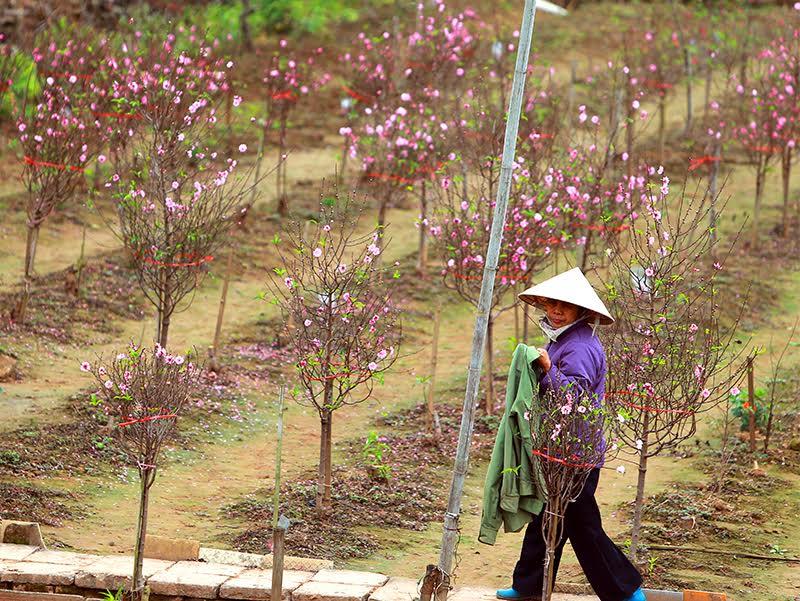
(10,458)
(740,408)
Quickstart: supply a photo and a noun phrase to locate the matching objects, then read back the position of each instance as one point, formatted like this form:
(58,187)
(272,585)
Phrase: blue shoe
(638,595)
(511,595)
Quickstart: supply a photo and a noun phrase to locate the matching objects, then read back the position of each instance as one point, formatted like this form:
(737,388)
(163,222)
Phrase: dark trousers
(611,575)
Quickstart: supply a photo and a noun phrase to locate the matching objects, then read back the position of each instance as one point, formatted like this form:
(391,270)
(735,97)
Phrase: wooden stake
(279,524)
(436,427)
(278,452)
(222,300)
(712,190)
(437,578)
(751,398)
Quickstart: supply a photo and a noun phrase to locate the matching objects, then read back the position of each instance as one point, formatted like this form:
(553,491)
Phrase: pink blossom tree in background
(460,228)
(670,358)
(346,327)
(756,127)
(58,137)
(403,81)
(176,197)
(288,78)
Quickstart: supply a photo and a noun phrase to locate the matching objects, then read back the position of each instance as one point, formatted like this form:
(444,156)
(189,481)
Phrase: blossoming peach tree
(670,356)
(143,392)
(287,79)
(568,443)
(176,196)
(58,136)
(460,229)
(346,329)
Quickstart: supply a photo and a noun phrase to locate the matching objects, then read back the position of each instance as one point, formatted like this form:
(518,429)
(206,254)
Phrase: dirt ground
(58,465)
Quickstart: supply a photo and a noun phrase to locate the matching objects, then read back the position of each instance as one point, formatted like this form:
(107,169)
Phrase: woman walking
(574,356)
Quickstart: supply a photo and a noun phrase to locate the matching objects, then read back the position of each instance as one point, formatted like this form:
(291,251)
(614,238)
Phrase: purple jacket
(578,358)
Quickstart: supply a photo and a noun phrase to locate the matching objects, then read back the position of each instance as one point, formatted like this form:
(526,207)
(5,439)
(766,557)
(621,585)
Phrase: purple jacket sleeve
(576,368)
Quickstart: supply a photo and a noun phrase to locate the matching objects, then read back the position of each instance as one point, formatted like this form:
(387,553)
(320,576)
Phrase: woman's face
(560,313)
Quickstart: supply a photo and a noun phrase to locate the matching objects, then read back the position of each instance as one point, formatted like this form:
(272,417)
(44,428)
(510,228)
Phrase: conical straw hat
(570,287)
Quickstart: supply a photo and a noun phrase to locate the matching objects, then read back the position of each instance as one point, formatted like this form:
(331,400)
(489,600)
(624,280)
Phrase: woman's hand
(544,360)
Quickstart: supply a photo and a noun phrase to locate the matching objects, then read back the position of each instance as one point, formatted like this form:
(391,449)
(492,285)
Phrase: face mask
(551,332)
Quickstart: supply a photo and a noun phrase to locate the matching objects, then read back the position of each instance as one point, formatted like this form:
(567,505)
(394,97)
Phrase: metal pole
(437,580)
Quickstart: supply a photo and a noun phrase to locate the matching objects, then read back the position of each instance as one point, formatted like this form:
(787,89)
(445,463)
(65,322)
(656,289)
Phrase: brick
(659,595)
(396,589)
(28,596)
(470,593)
(16,552)
(21,533)
(331,591)
(234,558)
(62,557)
(351,577)
(703,596)
(256,585)
(30,572)
(114,571)
(193,579)
(172,549)
(304,564)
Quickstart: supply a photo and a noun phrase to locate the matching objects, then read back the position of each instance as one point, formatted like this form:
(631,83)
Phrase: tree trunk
(490,365)
(326,499)
(383,208)
(343,168)
(324,468)
(639,502)
(164,317)
(325,455)
(147,476)
(422,258)
(552,535)
(585,248)
(244,26)
(30,258)
(707,93)
(786,172)
(283,207)
(525,309)
(687,61)
(662,125)
(629,133)
(760,177)
(30,250)
(573,79)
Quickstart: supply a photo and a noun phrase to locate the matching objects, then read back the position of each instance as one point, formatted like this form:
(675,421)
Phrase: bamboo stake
(81,263)
(712,190)
(279,524)
(751,398)
(721,552)
(436,427)
(223,299)
(437,579)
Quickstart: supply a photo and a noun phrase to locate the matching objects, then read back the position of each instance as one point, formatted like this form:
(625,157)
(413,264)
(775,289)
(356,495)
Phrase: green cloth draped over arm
(514,491)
